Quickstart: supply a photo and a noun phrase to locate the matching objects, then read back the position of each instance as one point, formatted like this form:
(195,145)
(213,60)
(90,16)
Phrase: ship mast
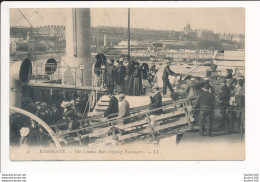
(128,55)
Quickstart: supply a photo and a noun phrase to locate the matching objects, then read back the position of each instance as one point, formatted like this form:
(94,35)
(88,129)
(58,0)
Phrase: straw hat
(43,104)
(24,131)
(37,103)
(65,104)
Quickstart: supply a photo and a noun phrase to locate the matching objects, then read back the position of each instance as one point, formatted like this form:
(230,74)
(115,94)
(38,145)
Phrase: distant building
(189,33)
(40,47)
(238,38)
(22,46)
(204,34)
(12,46)
(26,39)
(226,37)
(135,45)
(51,30)
(187,28)
(20,32)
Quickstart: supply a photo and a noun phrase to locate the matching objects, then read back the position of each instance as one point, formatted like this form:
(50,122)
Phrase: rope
(194,69)
(20,18)
(48,43)
(111,23)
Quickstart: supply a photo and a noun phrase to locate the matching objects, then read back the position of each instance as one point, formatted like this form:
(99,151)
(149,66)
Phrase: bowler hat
(24,131)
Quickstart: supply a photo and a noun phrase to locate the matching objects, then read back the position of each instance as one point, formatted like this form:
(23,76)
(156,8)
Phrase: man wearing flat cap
(224,97)
(156,101)
(167,71)
(205,104)
(124,108)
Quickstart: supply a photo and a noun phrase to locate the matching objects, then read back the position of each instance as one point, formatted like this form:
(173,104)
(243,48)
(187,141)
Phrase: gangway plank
(142,122)
(176,115)
(147,130)
(136,110)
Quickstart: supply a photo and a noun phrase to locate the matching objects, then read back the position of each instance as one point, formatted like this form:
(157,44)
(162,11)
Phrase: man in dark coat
(112,106)
(109,76)
(224,97)
(120,77)
(211,89)
(229,74)
(205,104)
(156,101)
(167,71)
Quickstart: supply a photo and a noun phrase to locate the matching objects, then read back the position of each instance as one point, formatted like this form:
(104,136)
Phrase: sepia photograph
(127,84)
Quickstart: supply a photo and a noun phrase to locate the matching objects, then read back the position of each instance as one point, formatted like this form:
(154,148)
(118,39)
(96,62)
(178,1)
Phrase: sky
(219,20)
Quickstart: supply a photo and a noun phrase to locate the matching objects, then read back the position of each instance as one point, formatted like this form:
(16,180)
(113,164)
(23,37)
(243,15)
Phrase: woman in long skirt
(137,82)
(128,88)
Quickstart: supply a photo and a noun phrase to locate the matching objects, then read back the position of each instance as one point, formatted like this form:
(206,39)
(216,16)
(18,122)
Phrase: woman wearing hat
(137,82)
(128,87)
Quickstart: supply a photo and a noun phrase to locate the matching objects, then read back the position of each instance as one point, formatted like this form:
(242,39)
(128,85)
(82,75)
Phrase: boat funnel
(20,74)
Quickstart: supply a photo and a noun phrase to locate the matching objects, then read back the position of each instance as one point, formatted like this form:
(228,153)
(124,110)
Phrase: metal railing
(75,75)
